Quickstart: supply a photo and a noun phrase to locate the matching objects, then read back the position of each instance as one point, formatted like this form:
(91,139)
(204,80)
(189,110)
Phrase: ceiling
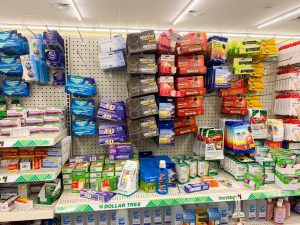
(213,15)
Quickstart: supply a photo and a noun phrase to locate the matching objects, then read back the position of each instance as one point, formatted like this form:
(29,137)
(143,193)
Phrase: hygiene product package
(80,86)
(84,127)
(82,107)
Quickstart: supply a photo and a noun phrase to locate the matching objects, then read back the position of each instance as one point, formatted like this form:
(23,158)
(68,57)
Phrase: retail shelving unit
(293,220)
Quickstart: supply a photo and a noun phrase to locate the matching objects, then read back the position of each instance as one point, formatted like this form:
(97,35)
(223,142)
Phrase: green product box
(253,182)
(288,179)
(108,170)
(255,169)
(107,184)
(67,187)
(239,170)
(242,62)
(95,175)
(78,181)
(213,169)
(119,164)
(68,168)
(96,167)
(67,176)
(269,175)
(148,186)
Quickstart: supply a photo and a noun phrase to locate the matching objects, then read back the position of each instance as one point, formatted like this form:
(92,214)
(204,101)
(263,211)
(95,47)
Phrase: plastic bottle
(113,217)
(103,218)
(79,219)
(90,218)
(238,217)
(135,215)
(287,208)
(177,212)
(167,215)
(122,217)
(67,219)
(230,209)
(270,210)
(279,214)
(283,205)
(261,209)
(163,180)
(147,216)
(249,208)
(224,212)
(157,216)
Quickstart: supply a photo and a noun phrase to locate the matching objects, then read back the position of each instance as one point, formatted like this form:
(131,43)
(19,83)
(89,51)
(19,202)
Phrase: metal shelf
(71,202)
(44,174)
(33,140)
(38,212)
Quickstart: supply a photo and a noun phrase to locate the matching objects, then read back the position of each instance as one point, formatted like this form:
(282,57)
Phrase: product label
(121,221)
(91,219)
(66,220)
(262,212)
(279,217)
(178,219)
(162,183)
(157,217)
(168,213)
(113,217)
(147,217)
(103,219)
(252,212)
(79,220)
(136,218)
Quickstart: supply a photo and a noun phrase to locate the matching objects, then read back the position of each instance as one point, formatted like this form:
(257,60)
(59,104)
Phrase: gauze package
(141,107)
(141,42)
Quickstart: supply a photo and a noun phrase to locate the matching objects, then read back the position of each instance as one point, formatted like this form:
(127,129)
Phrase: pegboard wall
(83,60)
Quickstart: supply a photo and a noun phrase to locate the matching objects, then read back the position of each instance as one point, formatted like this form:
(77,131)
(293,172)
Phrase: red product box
(192,70)
(191,61)
(237,84)
(192,82)
(37,162)
(10,153)
(190,112)
(194,38)
(235,111)
(13,166)
(182,122)
(168,93)
(273,144)
(189,102)
(41,151)
(186,130)
(192,49)
(26,153)
(190,92)
(166,85)
(233,101)
(232,91)
(166,65)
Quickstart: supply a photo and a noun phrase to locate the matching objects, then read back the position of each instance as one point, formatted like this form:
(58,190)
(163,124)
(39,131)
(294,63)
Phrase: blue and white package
(80,86)
(218,77)
(55,59)
(166,109)
(84,127)
(11,65)
(53,40)
(15,87)
(83,107)
(111,139)
(115,43)
(13,43)
(36,46)
(189,217)
(166,134)
(112,61)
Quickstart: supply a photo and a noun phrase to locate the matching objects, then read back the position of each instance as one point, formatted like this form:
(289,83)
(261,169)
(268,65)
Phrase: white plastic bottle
(157,216)
(122,217)
(261,208)
(67,219)
(177,212)
(79,219)
(230,209)
(103,218)
(90,218)
(224,212)
(113,217)
(167,215)
(249,208)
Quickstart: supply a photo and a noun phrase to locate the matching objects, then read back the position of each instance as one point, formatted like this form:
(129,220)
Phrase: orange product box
(190,92)
(194,38)
(190,112)
(237,84)
(166,83)
(191,61)
(186,130)
(41,151)
(37,162)
(238,111)
(273,144)
(232,91)
(10,153)
(189,102)
(182,122)
(13,165)
(233,101)
(192,70)
(192,82)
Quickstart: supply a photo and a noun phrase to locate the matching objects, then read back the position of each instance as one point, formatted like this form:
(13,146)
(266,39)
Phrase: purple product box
(108,139)
(97,195)
(117,107)
(120,156)
(109,115)
(120,148)
(84,158)
(190,188)
(115,130)
(53,40)
(55,59)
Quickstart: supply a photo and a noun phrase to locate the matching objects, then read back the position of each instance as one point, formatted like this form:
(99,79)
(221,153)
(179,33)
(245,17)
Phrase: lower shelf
(71,202)
(293,220)
(38,212)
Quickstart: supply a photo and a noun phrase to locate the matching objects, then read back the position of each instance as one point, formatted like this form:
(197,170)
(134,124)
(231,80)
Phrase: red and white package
(189,102)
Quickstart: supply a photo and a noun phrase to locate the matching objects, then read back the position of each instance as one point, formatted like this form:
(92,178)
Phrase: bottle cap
(162,164)
(286,198)
(269,200)
(279,204)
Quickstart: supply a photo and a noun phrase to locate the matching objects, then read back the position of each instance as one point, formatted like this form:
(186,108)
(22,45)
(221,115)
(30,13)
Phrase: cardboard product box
(68,168)
(141,85)
(96,166)
(189,102)
(141,107)
(7,205)
(52,162)
(142,128)
(141,64)
(182,122)
(191,82)
(141,42)
(50,192)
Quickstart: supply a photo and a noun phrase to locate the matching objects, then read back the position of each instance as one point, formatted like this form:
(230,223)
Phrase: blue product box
(113,130)
(84,127)
(53,40)
(11,65)
(59,77)
(110,139)
(110,115)
(83,107)
(117,107)
(80,86)
(15,87)
(55,59)
(166,134)
(166,109)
